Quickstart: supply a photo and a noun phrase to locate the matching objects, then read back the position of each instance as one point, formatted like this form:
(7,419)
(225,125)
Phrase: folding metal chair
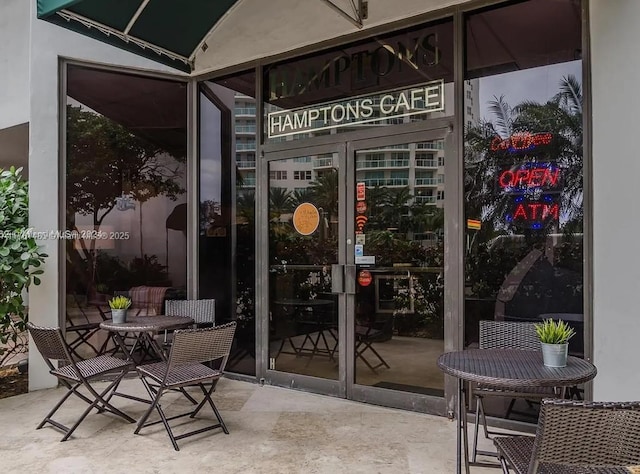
(504,335)
(576,437)
(76,374)
(366,334)
(185,367)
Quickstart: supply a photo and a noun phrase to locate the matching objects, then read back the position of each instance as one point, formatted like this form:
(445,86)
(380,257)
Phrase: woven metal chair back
(50,342)
(508,335)
(192,346)
(201,311)
(579,433)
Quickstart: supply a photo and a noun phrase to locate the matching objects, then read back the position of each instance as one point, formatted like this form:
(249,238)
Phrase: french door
(359,298)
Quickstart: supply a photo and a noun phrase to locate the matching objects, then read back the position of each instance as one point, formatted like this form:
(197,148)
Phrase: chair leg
(99,399)
(510,409)
(155,398)
(47,419)
(207,397)
(155,404)
(99,402)
(505,467)
(474,449)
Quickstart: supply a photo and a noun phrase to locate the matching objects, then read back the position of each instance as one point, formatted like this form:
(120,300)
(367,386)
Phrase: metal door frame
(287,379)
(345,146)
(452,300)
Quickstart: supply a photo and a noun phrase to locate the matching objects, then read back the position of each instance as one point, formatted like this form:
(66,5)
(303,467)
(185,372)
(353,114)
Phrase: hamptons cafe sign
(421,99)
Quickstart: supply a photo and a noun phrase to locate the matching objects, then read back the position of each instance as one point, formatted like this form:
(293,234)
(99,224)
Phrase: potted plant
(554,337)
(119,306)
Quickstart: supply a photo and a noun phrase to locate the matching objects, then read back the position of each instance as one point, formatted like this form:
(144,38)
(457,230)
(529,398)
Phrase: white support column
(615,77)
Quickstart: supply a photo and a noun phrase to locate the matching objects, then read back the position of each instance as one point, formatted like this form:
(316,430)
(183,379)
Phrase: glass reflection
(399,317)
(125,197)
(524,173)
(303,243)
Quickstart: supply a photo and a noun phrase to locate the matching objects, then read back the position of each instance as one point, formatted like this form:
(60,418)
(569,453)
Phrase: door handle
(343,279)
(337,278)
(350,279)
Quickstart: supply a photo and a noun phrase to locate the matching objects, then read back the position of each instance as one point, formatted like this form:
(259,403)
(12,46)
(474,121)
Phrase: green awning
(167,31)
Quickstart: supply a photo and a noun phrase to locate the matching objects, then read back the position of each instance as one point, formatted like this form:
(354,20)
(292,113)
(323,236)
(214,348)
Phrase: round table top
(147,323)
(512,368)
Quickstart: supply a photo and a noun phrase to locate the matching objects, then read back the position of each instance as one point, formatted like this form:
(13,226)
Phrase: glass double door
(356,269)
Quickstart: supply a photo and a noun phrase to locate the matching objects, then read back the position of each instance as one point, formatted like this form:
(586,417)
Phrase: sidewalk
(272,430)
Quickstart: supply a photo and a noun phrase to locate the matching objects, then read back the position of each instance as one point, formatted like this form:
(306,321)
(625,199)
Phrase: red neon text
(536,211)
(520,141)
(530,178)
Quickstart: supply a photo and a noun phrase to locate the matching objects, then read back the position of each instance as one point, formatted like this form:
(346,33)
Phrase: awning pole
(360,13)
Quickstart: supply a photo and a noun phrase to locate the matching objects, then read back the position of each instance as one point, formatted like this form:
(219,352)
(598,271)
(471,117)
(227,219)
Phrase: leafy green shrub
(20,259)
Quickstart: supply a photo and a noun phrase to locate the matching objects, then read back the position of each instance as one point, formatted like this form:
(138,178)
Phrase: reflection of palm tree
(396,208)
(325,191)
(376,197)
(426,218)
(279,202)
(246,208)
(300,196)
(561,116)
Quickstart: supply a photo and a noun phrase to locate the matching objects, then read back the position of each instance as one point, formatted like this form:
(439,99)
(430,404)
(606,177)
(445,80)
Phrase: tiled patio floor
(272,430)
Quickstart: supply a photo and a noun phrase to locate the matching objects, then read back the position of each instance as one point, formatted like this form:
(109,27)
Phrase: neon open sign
(546,177)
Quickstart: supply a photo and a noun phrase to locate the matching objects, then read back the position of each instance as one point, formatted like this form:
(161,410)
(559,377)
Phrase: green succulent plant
(554,332)
(119,302)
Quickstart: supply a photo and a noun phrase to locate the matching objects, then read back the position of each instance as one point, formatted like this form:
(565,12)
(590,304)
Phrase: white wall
(48,44)
(14,62)
(616,74)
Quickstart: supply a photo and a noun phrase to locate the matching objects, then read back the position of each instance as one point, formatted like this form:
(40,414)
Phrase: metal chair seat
(91,368)
(179,376)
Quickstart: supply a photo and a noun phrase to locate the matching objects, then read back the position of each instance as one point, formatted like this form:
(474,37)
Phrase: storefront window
(125,196)
(391,79)
(524,166)
(227,209)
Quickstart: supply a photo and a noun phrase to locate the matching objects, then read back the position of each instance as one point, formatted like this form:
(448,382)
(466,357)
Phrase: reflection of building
(244,114)
(416,166)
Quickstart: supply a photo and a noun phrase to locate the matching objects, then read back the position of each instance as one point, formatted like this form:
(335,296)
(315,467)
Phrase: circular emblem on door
(306,218)
(361,207)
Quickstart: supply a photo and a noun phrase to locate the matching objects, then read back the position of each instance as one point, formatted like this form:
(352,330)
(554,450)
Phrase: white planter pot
(555,355)
(119,316)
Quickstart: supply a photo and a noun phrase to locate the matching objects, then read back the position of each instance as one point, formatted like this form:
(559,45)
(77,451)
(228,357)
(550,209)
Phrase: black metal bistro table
(506,368)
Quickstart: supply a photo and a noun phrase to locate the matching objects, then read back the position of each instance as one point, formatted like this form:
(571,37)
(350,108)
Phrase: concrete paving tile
(272,430)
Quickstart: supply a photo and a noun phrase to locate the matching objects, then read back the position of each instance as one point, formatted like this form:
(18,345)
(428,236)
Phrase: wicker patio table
(145,327)
(509,369)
